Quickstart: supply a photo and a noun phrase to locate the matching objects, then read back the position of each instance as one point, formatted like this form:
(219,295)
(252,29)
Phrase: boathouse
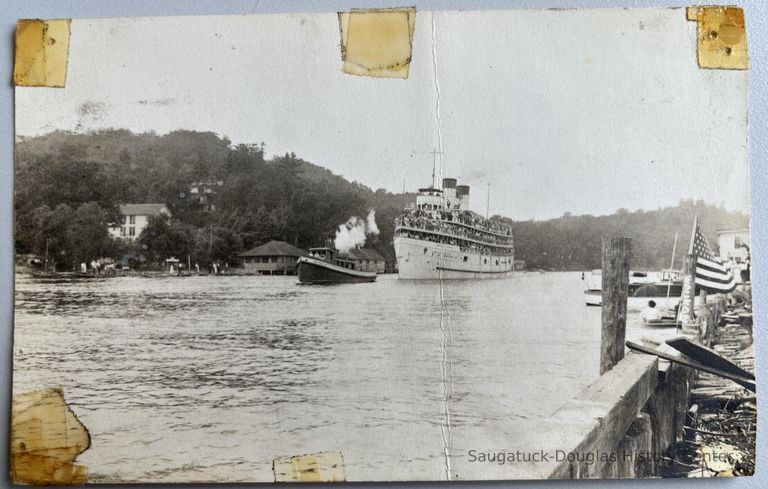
(272,258)
(367,260)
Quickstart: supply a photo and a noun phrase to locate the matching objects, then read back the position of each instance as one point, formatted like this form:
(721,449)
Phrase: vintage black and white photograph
(389,245)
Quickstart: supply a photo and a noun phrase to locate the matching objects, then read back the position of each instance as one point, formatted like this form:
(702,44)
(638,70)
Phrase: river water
(211,378)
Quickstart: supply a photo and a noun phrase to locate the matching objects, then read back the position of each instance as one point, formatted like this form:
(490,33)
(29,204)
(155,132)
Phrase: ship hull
(313,271)
(428,260)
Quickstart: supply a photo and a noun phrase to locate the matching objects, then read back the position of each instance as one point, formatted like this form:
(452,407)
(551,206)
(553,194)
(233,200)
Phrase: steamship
(438,237)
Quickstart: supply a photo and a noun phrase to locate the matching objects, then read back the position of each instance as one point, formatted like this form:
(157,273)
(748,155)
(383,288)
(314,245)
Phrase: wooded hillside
(69,185)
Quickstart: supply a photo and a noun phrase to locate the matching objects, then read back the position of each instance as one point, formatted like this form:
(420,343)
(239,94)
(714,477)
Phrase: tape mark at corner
(42,51)
(721,37)
(377,42)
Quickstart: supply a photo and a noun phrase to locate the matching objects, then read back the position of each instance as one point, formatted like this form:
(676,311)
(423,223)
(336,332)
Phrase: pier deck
(646,417)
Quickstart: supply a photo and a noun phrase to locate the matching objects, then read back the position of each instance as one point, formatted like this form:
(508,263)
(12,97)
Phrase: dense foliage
(257,199)
(574,242)
(69,186)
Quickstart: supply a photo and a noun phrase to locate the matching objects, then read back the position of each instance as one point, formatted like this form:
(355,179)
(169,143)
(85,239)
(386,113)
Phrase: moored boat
(325,266)
(664,289)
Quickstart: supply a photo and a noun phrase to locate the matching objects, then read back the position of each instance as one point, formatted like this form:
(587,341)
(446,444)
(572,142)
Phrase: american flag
(711,274)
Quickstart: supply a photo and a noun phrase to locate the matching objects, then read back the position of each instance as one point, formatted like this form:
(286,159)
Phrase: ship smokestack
(462,194)
(449,193)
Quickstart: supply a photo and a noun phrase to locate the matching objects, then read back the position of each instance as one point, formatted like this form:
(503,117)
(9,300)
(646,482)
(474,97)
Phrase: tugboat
(325,266)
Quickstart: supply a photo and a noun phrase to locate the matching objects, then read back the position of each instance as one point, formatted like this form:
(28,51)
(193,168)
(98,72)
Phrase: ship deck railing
(455,236)
(458,221)
(479,228)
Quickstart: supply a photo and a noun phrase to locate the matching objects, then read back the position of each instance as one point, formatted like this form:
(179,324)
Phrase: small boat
(86,275)
(711,367)
(52,275)
(664,322)
(325,266)
(707,356)
(664,289)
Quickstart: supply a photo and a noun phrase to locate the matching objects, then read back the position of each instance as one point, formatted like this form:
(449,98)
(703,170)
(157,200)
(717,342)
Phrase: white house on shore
(734,244)
(135,217)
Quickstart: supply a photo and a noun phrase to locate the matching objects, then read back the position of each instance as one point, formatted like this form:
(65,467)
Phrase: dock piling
(616,254)
(633,449)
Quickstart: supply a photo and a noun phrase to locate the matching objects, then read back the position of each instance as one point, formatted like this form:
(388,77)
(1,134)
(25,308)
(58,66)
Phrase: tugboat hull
(313,271)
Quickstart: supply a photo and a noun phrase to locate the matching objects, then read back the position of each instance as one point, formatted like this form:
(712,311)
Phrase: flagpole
(685,310)
(671,266)
(693,234)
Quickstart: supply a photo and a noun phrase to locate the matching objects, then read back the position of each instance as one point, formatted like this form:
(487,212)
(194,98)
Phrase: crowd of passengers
(436,225)
(473,248)
(435,221)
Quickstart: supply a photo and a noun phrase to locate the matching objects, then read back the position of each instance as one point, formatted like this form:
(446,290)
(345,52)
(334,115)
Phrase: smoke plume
(352,233)
(371,223)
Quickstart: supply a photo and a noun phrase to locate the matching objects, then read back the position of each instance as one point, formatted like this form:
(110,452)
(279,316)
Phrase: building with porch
(203,195)
(367,260)
(272,258)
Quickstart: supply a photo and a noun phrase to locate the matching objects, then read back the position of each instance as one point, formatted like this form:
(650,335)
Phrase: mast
(434,164)
(488,203)
(433,169)
(674,248)
(671,267)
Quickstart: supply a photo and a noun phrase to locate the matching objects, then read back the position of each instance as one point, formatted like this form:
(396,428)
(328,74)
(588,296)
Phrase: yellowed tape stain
(42,49)
(316,467)
(46,438)
(722,37)
(377,42)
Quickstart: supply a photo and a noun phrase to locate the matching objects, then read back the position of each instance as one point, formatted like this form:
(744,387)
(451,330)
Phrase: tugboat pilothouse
(440,238)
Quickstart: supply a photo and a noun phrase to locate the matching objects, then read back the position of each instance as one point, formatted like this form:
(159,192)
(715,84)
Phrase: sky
(581,111)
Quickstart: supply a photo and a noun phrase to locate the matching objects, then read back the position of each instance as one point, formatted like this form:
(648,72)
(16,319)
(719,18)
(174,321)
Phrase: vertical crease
(437,93)
(446,375)
(446,370)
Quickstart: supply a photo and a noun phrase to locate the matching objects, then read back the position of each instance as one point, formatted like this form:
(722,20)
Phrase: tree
(51,180)
(57,235)
(46,233)
(225,246)
(30,230)
(283,197)
(87,234)
(163,238)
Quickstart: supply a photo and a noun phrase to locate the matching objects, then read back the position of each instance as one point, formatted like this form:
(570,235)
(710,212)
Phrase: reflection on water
(210,378)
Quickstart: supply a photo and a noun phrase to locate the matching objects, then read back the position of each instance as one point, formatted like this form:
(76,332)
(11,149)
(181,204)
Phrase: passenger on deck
(650,314)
